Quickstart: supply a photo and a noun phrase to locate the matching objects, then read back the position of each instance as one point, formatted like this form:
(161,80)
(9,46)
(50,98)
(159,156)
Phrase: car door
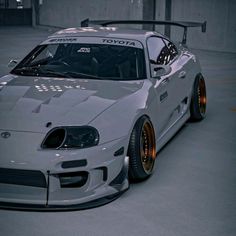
(169,91)
(179,63)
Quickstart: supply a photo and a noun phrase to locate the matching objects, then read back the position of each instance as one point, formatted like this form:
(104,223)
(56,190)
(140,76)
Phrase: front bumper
(62,179)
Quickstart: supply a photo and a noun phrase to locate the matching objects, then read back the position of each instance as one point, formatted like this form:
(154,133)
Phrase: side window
(172,48)
(158,51)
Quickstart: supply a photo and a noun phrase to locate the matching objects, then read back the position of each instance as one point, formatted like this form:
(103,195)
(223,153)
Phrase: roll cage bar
(183,24)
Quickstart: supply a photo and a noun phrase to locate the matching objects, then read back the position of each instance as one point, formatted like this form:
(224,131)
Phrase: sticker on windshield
(62,40)
(85,50)
(120,42)
(93,40)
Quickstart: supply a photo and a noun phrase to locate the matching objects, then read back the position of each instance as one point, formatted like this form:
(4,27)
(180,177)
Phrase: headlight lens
(71,137)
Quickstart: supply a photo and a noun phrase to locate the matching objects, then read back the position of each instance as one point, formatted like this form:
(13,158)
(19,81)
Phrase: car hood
(32,103)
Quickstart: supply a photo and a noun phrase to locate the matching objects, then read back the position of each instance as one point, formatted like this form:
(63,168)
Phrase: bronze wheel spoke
(202,97)
(147,147)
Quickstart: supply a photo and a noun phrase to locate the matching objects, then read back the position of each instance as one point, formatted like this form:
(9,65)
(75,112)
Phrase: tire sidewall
(136,170)
(194,106)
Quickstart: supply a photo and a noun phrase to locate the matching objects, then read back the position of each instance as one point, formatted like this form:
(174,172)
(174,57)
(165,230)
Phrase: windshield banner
(94,40)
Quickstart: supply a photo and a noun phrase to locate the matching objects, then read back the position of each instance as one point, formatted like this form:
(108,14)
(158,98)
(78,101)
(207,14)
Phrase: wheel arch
(141,162)
(136,121)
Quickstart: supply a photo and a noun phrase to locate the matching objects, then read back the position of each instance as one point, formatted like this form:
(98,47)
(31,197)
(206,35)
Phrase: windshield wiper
(39,71)
(27,69)
(89,76)
(83,75)
(56,73)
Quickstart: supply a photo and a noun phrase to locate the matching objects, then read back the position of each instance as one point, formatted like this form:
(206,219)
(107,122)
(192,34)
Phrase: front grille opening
(31,178)
(73,180)
(73,164)
(55,139)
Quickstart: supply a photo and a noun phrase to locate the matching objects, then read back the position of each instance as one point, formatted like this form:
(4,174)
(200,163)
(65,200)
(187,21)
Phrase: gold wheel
(199,99)
(142,150)
(147,147)
(202,97)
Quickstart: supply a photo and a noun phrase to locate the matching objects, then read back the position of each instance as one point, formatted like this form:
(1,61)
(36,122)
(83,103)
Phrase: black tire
(142,150)
(199,99)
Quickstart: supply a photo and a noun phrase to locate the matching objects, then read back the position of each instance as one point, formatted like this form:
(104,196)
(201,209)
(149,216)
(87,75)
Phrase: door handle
(182,74)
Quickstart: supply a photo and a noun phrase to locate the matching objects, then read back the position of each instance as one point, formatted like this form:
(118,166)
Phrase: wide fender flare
(119,120)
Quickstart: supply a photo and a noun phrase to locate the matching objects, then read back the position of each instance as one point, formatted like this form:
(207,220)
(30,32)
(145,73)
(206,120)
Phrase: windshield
(83,60)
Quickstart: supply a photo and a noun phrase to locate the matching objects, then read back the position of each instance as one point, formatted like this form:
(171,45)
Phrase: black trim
(73,179)
(67,129)
(163,96)
(118,182)
(119,152)
(83,206)
(168,7)
(31,178)
(183,24)
(48,185)
(73,164)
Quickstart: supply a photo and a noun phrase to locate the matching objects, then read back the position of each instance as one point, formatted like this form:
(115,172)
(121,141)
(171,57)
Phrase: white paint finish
(57,100)
(23,194)
(112,107)
(192,191)
(31,157)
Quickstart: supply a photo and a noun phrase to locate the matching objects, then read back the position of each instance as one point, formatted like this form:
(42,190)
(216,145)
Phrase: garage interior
(193,188)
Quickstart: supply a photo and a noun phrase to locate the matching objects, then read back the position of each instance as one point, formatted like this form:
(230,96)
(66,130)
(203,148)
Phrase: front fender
(119,119)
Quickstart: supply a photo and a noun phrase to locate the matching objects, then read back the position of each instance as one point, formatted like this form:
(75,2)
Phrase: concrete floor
(193,189)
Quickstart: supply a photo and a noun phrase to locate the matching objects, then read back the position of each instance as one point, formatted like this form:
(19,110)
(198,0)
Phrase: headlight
(71,137)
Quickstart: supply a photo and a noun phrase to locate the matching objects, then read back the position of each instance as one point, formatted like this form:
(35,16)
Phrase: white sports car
(88,109)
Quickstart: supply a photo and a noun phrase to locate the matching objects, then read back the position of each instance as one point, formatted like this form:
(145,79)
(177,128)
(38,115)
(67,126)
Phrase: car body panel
(31,106)
(27,104)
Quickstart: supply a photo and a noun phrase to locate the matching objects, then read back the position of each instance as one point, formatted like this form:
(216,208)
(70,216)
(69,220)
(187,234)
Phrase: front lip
(83,206)
(101,187)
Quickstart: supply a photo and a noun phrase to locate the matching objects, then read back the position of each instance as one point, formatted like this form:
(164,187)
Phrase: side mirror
(12,63)
(160,70)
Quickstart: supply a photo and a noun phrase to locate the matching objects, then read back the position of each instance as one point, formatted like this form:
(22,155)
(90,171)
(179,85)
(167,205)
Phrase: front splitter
(83,206)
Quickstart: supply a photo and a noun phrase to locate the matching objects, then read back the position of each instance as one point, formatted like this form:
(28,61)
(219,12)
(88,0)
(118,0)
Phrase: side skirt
(171,131)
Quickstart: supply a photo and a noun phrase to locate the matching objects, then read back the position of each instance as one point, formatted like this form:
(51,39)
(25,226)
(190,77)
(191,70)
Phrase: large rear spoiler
(183,24)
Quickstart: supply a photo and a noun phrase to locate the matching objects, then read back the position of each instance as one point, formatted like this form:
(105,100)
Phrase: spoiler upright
(183,24)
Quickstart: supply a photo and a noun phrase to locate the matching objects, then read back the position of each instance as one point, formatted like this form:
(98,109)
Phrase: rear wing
(183,24)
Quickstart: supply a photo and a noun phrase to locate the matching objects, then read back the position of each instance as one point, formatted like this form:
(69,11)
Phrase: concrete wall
(160,14)
(220,16)
(64,13)
(221,23)
(27,3)
(13,3)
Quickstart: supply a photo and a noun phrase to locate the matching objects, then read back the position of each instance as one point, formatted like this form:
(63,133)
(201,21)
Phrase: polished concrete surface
(193,188)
